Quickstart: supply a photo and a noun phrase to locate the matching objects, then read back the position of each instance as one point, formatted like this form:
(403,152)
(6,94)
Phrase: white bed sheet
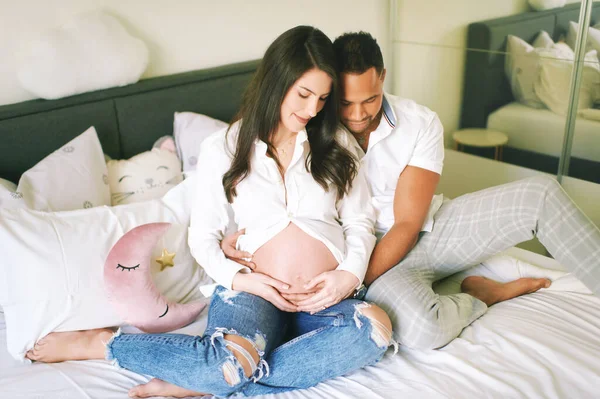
(543,345)
(542,131)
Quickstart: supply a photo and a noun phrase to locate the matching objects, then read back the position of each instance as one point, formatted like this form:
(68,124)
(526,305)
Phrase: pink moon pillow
(130,288)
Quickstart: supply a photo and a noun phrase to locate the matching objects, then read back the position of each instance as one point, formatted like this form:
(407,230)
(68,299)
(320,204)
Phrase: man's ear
(383,75)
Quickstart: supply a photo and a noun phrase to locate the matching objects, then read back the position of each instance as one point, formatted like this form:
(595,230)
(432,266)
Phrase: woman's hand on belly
(332,287)
(266,287)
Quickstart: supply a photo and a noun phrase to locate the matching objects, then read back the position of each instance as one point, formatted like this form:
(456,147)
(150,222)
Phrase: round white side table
(476,137)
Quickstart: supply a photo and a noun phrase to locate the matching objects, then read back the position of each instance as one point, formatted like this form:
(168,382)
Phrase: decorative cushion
(129,285)
(143,177)
(521,67)
(190,129)
(52,270)
(91,52)
(556,69)
(540,5)
(72,177)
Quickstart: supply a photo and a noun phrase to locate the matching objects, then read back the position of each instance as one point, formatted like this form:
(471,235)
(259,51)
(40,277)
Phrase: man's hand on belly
(229,248)
(332,287)
(264,286)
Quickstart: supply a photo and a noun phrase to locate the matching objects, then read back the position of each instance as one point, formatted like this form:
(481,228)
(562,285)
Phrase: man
(423,238)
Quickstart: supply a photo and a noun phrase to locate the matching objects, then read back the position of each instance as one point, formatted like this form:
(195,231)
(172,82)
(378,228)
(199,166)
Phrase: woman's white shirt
(345,226)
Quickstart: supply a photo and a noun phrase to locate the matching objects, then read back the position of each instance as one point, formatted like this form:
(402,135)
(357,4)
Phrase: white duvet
(543,345)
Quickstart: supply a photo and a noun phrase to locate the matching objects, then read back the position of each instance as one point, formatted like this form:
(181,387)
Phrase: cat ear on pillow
(165,143)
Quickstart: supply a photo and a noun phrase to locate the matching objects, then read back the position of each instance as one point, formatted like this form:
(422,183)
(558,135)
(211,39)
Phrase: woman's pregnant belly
(294,257)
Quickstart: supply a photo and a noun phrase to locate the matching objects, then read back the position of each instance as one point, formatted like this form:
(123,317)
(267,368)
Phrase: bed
(545,344)
(489,103)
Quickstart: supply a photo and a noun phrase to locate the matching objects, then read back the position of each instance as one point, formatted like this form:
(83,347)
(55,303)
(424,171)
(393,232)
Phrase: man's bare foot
(72,345)
(158,387)
(491,292)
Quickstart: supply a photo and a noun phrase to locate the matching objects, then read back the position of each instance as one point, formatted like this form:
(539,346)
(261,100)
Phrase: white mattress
(545,344)
(542,131)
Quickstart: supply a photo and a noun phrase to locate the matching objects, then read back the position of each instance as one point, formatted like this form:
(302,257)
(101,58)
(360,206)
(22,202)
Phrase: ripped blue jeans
(296,350)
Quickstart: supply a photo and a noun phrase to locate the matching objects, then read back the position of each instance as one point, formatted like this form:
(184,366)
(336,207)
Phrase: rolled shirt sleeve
(429,150)
(211,212)
(357,217)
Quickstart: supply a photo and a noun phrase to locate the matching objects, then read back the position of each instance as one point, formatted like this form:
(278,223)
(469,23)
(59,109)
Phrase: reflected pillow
(521,67)
(556,68)
(593,38)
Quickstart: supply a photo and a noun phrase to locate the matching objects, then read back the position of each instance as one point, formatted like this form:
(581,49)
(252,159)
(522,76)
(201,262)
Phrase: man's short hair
(358,52)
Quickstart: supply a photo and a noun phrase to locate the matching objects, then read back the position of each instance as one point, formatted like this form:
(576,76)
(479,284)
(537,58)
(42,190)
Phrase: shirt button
(290,214)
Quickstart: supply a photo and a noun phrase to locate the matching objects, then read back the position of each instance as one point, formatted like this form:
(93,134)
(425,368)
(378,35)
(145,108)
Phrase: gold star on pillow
(166,259)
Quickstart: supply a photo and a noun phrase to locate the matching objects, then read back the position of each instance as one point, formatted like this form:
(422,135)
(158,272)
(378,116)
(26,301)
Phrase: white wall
(188,34)
(429,50)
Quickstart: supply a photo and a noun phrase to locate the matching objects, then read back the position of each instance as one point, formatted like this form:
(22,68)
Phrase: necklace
(282,148)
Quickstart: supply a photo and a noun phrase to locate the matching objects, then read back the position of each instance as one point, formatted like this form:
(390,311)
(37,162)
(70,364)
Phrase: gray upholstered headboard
(485,87)
(128,119)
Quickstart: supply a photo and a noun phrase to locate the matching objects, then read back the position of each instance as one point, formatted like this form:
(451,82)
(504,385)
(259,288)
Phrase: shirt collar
(388,112)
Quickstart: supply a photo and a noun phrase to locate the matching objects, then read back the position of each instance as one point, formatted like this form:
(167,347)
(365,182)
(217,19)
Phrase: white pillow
(9,197)
(189,130)
(53,274)
(556,68)
(72,177)
(521,67)
(593,38)
(91,52)
(8,185)
(143,177)
(540,5)
(543,40)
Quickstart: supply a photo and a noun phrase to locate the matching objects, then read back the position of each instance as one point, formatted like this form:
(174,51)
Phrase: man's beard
(369,126)
(361,131)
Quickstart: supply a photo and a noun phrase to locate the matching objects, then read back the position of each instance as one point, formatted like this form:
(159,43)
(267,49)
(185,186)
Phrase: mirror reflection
(505,97)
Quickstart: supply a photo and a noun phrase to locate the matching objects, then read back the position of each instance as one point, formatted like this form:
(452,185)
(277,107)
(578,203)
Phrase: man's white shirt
(261,206)
(408,134)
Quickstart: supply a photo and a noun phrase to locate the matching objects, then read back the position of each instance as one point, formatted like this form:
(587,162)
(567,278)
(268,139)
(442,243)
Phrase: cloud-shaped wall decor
(91,52)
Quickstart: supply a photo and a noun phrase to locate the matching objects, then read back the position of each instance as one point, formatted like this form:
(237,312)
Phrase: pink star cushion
(130,287)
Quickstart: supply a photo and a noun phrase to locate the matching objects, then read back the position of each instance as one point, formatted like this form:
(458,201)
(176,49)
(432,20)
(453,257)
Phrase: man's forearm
(392,248)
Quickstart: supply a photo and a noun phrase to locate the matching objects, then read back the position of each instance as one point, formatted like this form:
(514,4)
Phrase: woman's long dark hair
(292,54)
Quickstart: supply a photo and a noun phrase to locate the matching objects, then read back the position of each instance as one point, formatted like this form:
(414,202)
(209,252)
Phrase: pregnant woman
(282,173)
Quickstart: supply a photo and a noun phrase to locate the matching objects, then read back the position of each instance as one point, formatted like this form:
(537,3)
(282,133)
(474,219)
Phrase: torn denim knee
(380,334)
(232,367)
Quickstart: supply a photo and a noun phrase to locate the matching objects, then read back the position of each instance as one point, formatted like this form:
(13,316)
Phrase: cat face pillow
(146,176)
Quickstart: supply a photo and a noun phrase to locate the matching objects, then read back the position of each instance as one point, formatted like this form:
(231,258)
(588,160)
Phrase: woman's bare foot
(72,345)
(491,292)
(158,387)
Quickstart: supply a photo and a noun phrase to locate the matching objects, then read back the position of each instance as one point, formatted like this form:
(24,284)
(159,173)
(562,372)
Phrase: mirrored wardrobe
(509,82)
